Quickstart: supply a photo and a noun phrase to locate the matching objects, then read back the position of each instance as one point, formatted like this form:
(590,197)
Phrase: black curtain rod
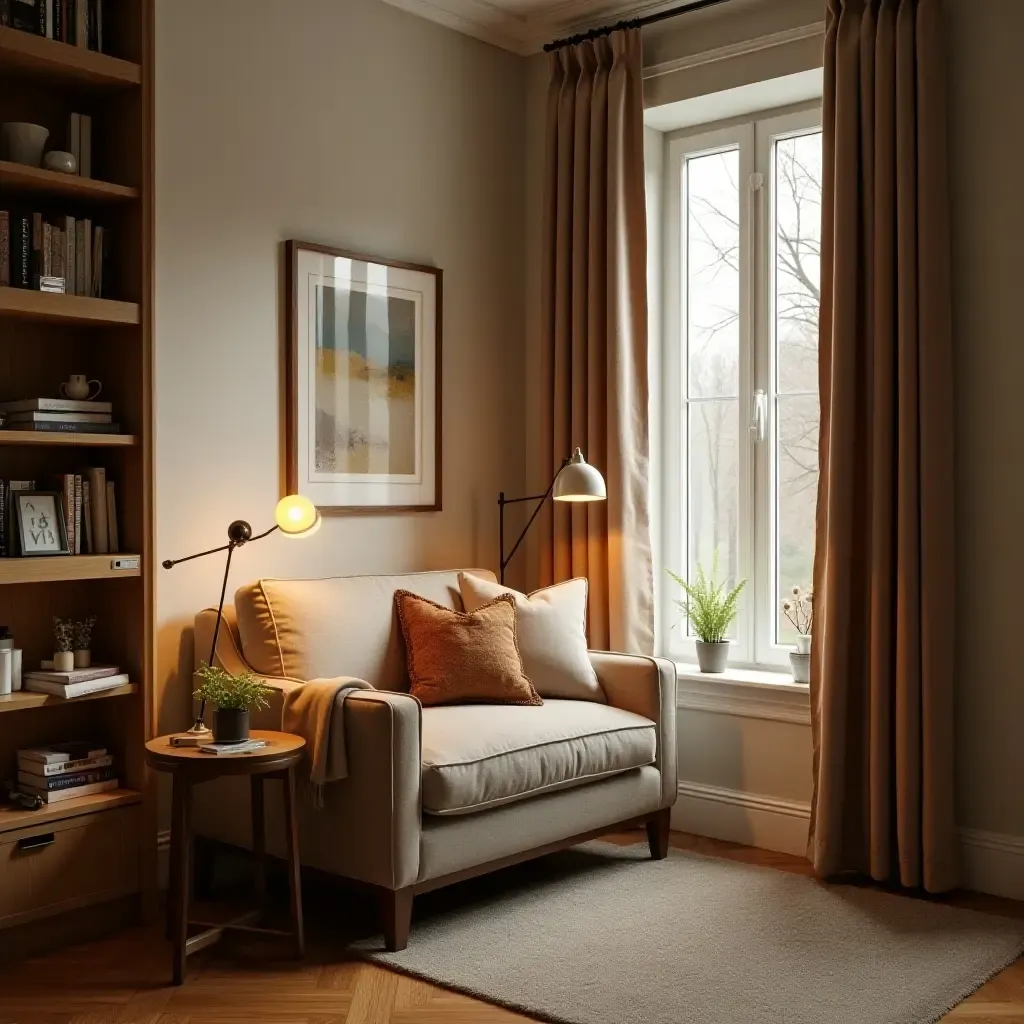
(650,19)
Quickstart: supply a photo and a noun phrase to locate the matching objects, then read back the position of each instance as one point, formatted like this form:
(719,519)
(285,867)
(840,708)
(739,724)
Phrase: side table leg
(259,840)
(174,862)
(294,877)
(182,828)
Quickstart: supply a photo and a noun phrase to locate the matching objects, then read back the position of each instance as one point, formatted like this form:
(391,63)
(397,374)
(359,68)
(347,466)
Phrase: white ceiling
(524,26)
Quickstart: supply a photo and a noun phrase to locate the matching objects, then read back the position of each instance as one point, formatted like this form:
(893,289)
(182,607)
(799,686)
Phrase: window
(740,371)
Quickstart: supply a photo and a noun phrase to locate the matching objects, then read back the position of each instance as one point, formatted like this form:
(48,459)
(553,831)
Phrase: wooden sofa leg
(657,833)
(396,917)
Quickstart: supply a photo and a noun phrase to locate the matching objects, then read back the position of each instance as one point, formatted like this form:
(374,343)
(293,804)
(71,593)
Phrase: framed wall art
(40,519)
(363,380)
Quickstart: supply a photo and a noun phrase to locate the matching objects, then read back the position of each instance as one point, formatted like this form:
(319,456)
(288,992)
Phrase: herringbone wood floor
(124,980)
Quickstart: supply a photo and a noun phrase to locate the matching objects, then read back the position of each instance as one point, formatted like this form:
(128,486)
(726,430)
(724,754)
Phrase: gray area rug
(602,935)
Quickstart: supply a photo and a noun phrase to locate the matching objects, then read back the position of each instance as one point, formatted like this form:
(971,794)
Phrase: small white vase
(803,643)
(83,659)
(801,666)
(63,661)
(23,143)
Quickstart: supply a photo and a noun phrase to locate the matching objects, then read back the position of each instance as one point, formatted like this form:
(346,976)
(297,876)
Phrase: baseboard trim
(993,862)
(753,819)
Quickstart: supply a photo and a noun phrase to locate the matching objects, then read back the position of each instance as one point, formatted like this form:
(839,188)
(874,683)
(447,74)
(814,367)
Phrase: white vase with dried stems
(799,609)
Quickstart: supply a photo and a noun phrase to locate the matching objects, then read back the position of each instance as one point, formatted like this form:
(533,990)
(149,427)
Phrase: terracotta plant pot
(712,657)
(230,725)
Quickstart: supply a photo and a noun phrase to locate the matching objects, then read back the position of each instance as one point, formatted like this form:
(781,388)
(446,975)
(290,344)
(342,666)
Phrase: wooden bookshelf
(52,307)
(67,440)
(58,64)
(45,337)
(16,817)
(25,699)
(35,181)
(66,568)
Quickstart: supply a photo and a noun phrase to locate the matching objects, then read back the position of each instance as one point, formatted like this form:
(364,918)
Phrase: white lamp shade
(579,481)
(297,516)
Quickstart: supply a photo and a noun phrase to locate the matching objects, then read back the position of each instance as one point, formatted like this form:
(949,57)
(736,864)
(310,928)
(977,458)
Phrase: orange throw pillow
(463,658)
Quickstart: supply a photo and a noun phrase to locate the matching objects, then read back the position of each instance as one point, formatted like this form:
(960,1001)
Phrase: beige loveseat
(437,794)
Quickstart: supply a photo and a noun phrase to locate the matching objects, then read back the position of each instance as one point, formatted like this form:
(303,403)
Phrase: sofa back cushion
(344,625)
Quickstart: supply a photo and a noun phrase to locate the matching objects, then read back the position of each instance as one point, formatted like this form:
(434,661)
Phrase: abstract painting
(363,381)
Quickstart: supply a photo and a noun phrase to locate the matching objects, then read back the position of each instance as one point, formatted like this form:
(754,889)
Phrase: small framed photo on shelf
(40,519)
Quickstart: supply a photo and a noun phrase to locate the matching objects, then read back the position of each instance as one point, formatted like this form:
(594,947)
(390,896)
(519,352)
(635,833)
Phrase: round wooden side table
(188,766)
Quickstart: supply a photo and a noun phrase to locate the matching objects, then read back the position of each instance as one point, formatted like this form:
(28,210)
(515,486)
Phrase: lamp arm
(503,501)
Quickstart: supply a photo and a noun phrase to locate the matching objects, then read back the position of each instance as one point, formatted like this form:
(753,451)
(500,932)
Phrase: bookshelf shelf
(17,817)
(23,180)
(51,307)
(67,439)
(60,62)
(58,568)
(25,699)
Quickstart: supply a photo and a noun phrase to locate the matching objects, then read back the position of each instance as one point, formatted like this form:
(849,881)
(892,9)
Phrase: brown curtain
(595,332)
(882,666)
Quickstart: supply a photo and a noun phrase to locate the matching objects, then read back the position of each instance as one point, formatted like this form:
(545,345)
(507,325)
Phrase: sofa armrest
(645,686)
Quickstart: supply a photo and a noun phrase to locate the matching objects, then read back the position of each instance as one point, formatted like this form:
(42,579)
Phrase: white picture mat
(328,490)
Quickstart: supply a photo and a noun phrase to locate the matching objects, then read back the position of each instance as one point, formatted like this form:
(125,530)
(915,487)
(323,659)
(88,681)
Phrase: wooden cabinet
(63,865)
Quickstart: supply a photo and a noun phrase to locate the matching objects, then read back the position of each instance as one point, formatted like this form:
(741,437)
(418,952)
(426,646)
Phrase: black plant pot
(230,725)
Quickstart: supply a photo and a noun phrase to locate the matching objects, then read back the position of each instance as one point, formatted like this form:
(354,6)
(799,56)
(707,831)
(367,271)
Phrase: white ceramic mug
(78,388)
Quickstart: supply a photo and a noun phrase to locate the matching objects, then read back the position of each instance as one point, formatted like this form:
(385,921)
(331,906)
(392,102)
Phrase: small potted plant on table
(233,697)
(711,609)
(799,609)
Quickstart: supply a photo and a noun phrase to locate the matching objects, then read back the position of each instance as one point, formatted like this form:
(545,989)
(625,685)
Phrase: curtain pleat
(595,333)
(882,657)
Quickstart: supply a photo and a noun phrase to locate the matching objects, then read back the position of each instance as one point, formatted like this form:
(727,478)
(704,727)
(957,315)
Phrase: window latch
(759,417)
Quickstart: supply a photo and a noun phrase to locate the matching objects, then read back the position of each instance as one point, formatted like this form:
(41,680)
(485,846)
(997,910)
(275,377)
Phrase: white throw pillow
(551,634)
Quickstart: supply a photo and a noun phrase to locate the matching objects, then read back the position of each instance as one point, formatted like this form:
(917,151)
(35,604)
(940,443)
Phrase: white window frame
(756,625)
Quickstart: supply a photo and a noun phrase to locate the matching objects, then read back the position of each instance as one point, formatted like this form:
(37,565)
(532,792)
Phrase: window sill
(748,693)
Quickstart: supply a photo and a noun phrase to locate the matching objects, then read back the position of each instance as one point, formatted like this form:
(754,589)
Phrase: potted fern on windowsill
(711,609)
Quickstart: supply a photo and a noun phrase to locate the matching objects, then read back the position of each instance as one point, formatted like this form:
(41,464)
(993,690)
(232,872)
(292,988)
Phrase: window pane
(797,260)
(712,274)
(713,520)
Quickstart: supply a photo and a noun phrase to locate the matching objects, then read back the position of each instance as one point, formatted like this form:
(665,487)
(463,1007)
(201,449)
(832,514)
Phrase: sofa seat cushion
(477,757)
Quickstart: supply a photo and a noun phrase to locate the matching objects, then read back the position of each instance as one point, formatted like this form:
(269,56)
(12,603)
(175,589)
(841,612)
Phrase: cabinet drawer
(66,864)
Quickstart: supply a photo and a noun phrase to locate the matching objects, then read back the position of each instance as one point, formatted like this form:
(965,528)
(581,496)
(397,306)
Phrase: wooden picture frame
(47,534)
(362,379)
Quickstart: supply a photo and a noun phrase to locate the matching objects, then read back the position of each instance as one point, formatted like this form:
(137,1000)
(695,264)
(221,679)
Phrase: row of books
(77,683)
(65,771)
(88,504)
(62,254)
(78,22)
(59,415)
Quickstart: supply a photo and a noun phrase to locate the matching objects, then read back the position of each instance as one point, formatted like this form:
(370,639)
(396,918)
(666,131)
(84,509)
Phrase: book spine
(68,794)
(87,514)
(80,257)
(66,428)
(75,139)
(58,20)
(97,262)
(45,248)
(3,519)
(68,232)
(87,254)
(63,767)
(21,249)
(98,489)
(86,167)
(69,509)
(48,29)
(58,417)
(112,537)
(55,405)
(78,513)
(56,782)
(5,245)
(81,35)
(36,259)
(41,17)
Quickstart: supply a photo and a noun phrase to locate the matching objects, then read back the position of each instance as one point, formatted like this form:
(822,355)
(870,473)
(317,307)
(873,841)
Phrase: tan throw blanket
(315,711)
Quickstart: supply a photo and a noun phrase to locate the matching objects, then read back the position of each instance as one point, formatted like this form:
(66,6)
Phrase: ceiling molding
(527,34)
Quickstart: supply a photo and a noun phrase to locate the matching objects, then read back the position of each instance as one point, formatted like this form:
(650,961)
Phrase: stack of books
(88,504)
(65,771)
(78,22)
(60,415)
(226,749)
(76,683)
(56,254)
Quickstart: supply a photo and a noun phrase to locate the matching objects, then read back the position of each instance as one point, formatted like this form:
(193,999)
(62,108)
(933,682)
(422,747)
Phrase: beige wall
(351,123)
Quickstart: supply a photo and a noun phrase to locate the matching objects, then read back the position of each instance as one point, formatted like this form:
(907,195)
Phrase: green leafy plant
(244,692)
(709,606)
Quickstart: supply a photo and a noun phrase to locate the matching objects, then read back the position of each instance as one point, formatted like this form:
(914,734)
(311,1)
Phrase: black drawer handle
(36,842)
